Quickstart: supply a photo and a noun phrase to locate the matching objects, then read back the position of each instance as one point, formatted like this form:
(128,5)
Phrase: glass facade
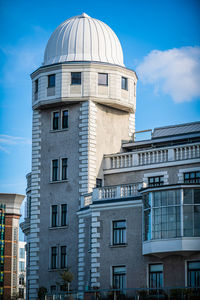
(172,214)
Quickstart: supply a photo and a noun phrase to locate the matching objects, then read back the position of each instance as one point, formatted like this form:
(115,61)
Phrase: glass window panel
(65,119)
(196,195)
(51,80)
(124,83)
(188,199)
(76,78)
(197,220)
(102,78)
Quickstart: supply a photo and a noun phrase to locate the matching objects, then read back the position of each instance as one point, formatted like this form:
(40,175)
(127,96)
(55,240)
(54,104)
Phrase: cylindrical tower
(84,102)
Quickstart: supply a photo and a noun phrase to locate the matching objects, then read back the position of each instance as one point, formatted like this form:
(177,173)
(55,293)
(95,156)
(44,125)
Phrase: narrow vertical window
(51,80)
(63,257)
(156,276)
(53,257)
(63,214)
(36,86)
(64,119)
(64,168)
(125,83)
(119,277)
(55,122)
(54,215)
(75,78)
(55,170)
(119,232)
(98,182)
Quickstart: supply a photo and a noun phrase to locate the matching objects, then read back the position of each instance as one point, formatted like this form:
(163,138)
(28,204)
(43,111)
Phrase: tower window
(119,232)
(125,83)
(102,79)
(55,170)
(63,214)
(54,215)
(64,168)
(63,257)
(64,119)
(53,257)
(51,80)
(56,116)
(75,78)
(36,86)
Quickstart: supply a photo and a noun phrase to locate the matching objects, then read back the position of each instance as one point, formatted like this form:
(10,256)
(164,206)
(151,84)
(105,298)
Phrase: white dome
(83,38)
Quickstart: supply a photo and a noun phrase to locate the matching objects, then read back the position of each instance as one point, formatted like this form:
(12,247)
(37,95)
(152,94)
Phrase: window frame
(123,275)
(62,224)
(124,83)
(62,118)
(63,257)
(195,179)
(54,258)
(50,84)
(36,85)
(120,237)
(54,179)
(157,273)
(154,183)
(188,277)
(54,216)
(63,168)
(53,118)
(106,81)
(73,80)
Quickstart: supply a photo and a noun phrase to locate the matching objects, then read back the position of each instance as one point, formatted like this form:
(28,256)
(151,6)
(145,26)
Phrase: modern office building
(119,213)
(9,226)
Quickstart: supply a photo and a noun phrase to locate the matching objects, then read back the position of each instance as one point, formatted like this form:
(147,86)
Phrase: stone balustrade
(111,192)
(153,156)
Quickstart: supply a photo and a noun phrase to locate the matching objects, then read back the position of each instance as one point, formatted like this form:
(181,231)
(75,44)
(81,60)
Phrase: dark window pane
(119,232)
(51,80)
(119,277)
(63,263)
(64,168)
(54,215)
(56,116)
(36,86)
(65,119)
(103,79)
(63,214)
(53,257)
(98,182)
(55,170)
(76,78)
(124,83)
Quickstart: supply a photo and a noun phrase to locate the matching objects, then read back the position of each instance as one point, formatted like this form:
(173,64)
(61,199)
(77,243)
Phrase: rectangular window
(63,257)
(193,275)
(53,257)
(119,277)
(21,280)
(156,181)
(53,288)
(192,177)
(21,293)
(102,79)
(21,266)
(64,168)
(55,121)
(63,214)
(119,232)
(156,276)
(55,170)
(51,80)
(75,78)
(36,86)
(64,119)
(125,83)
(98,182)
(22,253)
(54,215)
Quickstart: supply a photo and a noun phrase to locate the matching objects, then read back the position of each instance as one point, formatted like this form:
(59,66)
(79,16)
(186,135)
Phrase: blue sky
(160,40)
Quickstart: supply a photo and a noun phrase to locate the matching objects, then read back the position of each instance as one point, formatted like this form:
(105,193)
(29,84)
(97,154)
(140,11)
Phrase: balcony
(151,158)
(107,193)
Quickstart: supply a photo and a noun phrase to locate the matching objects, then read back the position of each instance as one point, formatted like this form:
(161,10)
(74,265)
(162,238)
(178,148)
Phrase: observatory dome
(82,38)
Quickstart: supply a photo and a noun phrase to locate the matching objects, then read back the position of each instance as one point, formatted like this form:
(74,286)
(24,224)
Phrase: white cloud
(175,72)
(8,140)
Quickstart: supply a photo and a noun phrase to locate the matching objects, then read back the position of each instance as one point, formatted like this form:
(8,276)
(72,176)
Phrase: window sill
(57,269)
(59,130)
(101,84)
(75,84)
(118,246)
(59,181)
(58,227)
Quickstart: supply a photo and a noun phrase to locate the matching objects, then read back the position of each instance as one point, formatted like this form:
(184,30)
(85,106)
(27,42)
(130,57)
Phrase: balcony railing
(111,192)
(153,156)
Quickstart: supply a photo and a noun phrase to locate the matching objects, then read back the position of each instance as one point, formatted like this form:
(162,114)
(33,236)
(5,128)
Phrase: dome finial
(84,15)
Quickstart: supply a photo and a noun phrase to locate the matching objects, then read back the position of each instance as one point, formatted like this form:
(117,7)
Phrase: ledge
(59,227)
(118,246)
(179,246)
(58,181)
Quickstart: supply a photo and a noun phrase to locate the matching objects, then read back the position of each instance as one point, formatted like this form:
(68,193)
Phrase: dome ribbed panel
(82,38)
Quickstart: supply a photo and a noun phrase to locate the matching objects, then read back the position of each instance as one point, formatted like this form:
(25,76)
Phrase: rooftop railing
(153,156)
(111,192)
